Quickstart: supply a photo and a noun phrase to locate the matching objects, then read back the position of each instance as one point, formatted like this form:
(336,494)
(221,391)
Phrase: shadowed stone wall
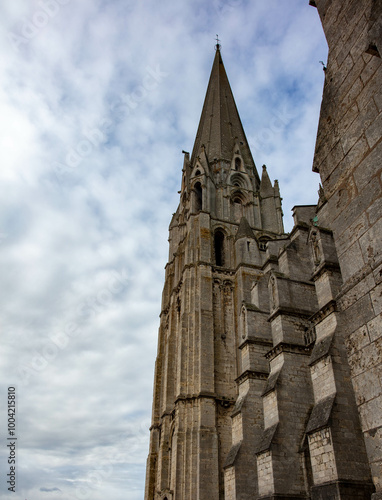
(349,159)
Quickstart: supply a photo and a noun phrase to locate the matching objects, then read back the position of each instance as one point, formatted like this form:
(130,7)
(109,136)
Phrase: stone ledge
(249,266)
(290,311)
(205,395)
(349,489)
(291,348)
(266,439)
(271,382)
(324,312)
(320,414)
(239,405)
(300,225)
(251,374)
(252,307)
(256,341)
(321,349)
(272,259)
(232,454)
(279,496)
(325,266)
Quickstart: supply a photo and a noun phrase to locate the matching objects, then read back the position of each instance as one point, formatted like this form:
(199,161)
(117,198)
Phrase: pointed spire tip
(217,46)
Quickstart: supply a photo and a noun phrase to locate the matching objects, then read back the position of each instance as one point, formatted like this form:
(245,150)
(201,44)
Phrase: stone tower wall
(348,157)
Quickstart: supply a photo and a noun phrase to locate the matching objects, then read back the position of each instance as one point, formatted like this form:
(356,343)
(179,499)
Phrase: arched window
(219,248)
(263,243)
(198,197)
(237,179)
(237,163)
(238,210)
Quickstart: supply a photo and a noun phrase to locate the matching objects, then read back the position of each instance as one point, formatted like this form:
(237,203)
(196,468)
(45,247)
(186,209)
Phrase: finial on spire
(217,46)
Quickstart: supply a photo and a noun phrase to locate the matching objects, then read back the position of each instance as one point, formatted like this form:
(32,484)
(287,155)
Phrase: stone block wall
(348,157)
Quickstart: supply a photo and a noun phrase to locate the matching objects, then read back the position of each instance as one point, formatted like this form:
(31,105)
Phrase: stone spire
(266,189)
(244,230)
(220,127)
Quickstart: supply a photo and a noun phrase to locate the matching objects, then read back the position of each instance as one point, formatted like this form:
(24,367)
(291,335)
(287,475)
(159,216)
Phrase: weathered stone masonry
(349,159)
(268,374)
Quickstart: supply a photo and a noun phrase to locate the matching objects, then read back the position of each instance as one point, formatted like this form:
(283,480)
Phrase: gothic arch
(198,170)
(219,247)
(237,162)
(238,179)
(198,196)
(238,203)
(262,241)
(237,196)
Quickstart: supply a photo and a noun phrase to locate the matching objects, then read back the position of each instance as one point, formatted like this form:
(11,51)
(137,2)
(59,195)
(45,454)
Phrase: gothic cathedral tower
(252,394)
(217,240)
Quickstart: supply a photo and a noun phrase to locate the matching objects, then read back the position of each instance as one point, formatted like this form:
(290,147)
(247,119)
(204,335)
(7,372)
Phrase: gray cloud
(97,106)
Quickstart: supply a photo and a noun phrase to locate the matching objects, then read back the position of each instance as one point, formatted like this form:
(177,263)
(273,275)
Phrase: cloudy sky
(97,100)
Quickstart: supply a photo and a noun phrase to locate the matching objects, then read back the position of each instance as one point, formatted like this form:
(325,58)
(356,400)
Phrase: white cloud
(96,107)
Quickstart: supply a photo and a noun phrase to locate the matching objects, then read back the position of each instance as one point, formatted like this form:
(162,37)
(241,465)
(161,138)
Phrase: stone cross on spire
(217,46)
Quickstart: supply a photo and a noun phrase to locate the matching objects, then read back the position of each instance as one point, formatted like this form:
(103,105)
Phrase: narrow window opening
(237,163)
(219,248)
(198,197)
(197,172)
(237,209)
(248,246)
(263,244)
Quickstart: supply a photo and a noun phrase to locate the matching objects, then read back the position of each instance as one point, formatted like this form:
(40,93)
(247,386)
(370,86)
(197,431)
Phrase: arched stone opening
(219,247)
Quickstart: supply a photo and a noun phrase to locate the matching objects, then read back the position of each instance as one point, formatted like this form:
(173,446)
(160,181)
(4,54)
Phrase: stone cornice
(300,225)
(205,395)
(251,374)
(249,266)
(256,341)
(290,311)
(281,276)
(290,348)
(324,312)
(325,266)
(272,259)
(223,270)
